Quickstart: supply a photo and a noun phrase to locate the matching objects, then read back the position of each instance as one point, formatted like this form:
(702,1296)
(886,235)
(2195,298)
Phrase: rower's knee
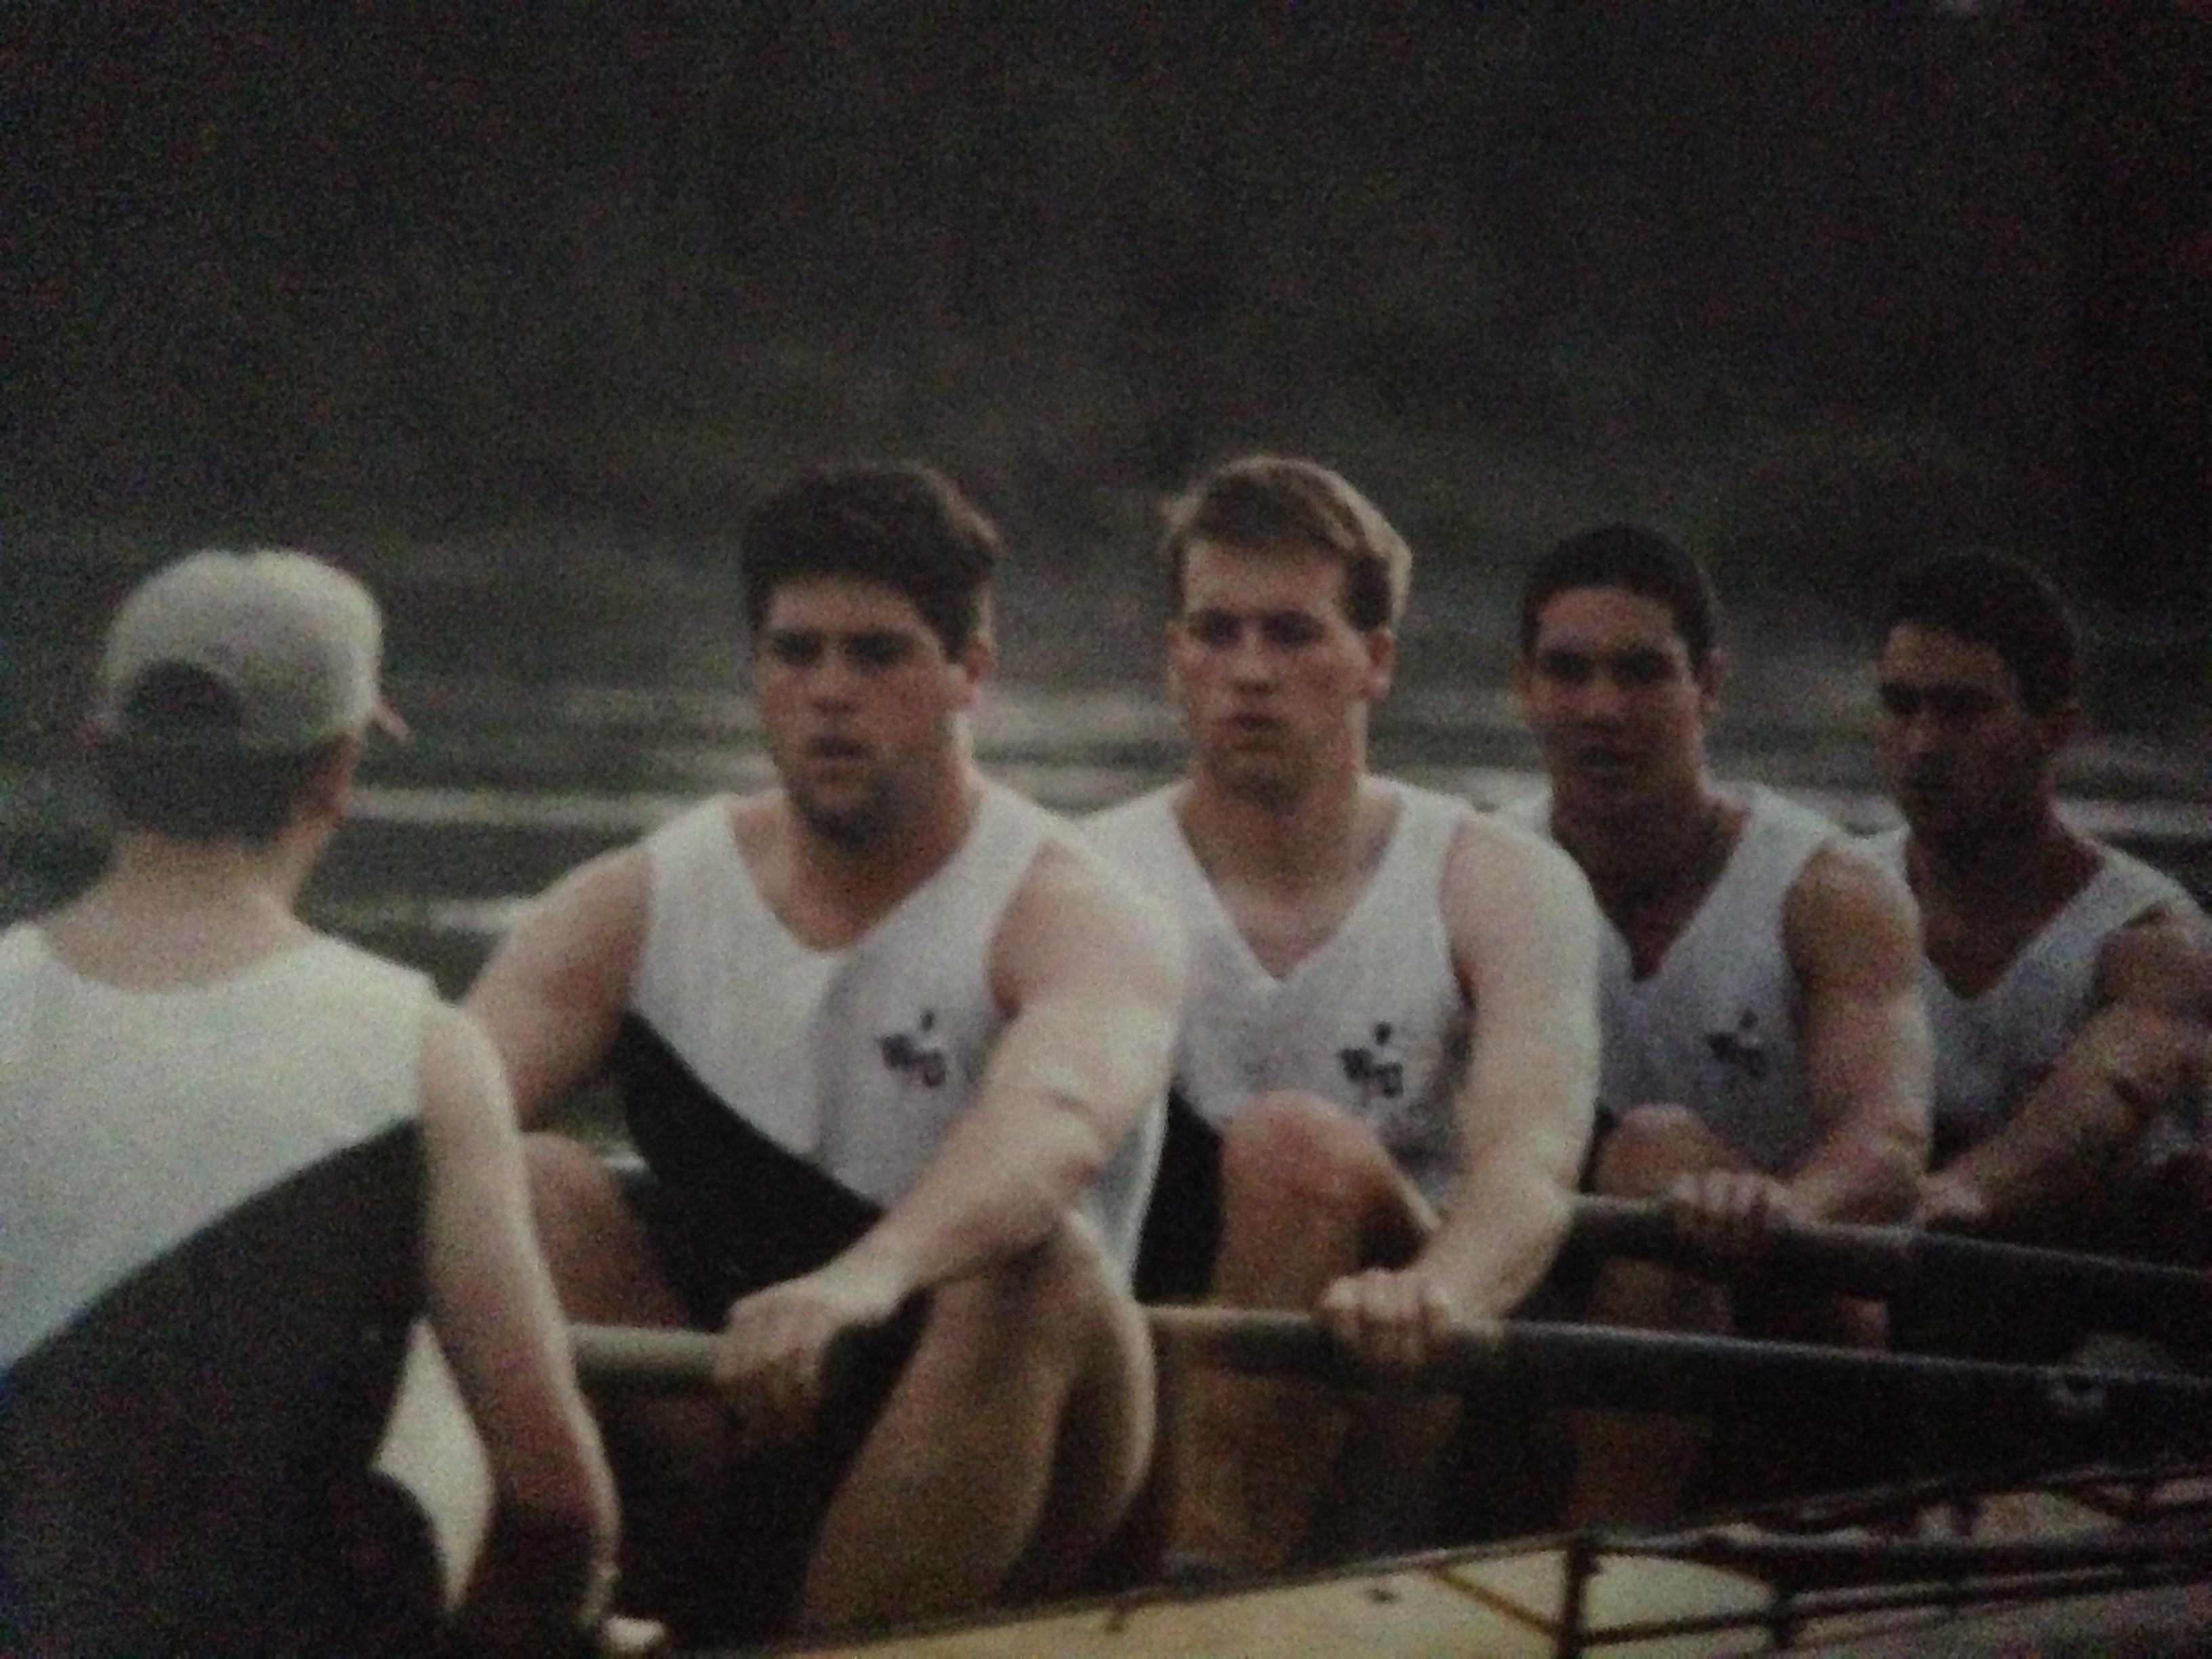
(1297,1153)
(567,1183)
(1647,1148)
(591,1239)
(1056,1300)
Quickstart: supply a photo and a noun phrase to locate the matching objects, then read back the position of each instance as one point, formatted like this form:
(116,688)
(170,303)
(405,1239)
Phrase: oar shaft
(1973,1402)
(1892,1262)
(1876,1261)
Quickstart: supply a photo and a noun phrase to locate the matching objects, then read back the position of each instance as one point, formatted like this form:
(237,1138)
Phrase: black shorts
(728,1213)
(1183,1225)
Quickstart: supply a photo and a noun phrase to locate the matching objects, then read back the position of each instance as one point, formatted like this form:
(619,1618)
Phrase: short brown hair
(1637,560)
(1261,501)
(1994,599)
(192,780)
(901,525)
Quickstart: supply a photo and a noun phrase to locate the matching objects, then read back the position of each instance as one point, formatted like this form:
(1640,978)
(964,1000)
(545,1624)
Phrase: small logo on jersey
(1375,1071)
(911,1055)
(1742,1050)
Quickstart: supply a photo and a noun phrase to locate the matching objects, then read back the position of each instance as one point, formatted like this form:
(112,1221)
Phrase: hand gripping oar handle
(1892,1262)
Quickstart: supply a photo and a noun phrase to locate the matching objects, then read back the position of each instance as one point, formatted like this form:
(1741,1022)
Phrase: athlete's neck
(846,887)
(2028,866)
(1650,855)
(1319,839)
(171,913)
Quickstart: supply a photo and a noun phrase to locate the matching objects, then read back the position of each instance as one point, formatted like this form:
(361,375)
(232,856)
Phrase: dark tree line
(416,265)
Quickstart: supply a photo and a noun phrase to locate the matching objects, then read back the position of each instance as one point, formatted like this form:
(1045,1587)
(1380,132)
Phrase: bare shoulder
(1073,882)
(1498,864)
(758,821)
(593,915)
(553,994)
(1846,905)
(1519,915)
(2163,958)
(1842,881)
(611,891)
(1077,913)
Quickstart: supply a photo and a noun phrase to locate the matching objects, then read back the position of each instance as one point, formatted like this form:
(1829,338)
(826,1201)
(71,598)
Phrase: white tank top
(1991,1048)
(1713,1027)
(1375,1020)
(132,1120)
(856,1059)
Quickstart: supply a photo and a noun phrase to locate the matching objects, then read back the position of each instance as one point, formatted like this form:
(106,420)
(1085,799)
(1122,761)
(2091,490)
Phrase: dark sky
(425,264)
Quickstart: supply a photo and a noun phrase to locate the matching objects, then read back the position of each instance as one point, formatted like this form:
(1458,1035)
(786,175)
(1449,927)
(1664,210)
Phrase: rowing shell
(2101,1562)
(1937,1569)
(1956,1566)
(1592,1593)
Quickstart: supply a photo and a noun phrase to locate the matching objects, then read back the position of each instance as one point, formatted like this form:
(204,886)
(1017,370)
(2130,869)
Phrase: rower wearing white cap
(238,1159)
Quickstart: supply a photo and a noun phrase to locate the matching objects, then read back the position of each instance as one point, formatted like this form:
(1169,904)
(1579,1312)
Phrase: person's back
(240,1160)
(213,1230)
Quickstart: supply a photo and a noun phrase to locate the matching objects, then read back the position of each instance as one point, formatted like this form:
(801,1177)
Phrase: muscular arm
(1092,976)
(494,1307)
(1523,930)
(1853,938)
(2146,1048)
(553,994)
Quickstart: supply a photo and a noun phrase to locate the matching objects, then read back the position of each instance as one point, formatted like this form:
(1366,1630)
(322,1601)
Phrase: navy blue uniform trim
(729,1212)
(183,1465)
(1183,1225)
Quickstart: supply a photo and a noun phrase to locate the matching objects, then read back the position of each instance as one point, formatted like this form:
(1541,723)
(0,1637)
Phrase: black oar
(1961,1410)
(1948,1269)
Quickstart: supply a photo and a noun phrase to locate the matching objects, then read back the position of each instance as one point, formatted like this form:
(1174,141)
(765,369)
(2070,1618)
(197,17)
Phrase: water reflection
(556,718)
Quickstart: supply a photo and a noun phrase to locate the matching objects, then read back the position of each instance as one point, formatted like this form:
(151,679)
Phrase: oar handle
(1267,1340)
(1874,1261)
(641,1359)
(2171,1304)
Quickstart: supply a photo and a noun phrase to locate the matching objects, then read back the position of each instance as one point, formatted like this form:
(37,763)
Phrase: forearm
(2125,1067)
(2010,1177)
(999,1185)
(1870,1078)
(2128,1063)
(1505,1226)
(1862,1173)
(1853,938)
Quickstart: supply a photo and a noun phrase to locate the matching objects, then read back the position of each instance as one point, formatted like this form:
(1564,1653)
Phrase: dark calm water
(559,712)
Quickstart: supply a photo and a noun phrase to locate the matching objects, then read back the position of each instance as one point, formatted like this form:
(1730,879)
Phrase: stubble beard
(1273,783)
(1985,840)
(859,827)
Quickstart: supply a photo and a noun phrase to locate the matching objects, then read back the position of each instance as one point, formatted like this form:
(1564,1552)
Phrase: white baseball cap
(294,640)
